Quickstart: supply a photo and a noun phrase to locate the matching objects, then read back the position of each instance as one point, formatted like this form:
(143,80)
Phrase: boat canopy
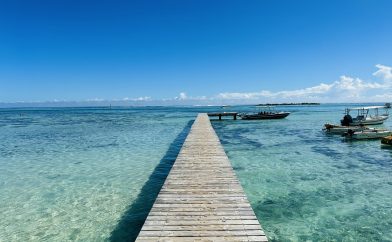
(366,108)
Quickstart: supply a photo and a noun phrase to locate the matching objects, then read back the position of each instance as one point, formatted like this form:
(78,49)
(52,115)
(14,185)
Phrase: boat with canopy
(365,116)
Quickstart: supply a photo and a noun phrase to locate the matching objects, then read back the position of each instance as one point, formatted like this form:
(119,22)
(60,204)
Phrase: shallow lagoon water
(308,186)
(91,174)
(75,174)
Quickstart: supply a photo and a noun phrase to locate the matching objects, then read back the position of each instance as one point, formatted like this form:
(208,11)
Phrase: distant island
(286,104)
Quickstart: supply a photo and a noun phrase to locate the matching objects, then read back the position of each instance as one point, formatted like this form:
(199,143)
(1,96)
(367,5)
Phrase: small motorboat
(339,129)
(265,112)
(386,140)
(261,115)
(368,134)
(364,117)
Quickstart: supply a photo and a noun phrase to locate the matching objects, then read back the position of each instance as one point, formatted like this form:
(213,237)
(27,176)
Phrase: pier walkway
(224,114)
(202,199)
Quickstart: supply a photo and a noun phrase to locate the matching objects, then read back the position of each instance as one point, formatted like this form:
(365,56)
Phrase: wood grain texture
(202,199)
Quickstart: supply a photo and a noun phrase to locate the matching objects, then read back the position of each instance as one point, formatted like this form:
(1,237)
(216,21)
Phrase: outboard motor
(328,126)
(347,120)
(350,132)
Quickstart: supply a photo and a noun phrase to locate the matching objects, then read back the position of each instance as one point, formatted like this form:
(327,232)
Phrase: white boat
(368,134)
(364,116)
(338,129)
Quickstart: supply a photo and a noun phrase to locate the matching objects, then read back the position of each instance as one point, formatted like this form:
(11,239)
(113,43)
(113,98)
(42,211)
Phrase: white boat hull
(375,134)
(364,116)
(370,120)
(337,129)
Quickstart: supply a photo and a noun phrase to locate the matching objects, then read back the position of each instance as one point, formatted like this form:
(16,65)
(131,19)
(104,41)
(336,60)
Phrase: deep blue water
(91,174)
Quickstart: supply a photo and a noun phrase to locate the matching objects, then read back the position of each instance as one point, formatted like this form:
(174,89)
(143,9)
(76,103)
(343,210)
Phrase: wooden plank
(201,199)
(188,233)
(216,239)
(172,222)
(202,213)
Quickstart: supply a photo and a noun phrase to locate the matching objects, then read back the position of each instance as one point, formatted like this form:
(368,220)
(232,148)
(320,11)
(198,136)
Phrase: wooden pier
(202,199)
(220,115)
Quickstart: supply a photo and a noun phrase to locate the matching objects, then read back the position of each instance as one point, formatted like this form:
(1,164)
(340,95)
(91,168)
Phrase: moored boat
(368,134)
(266,112)
(339,129)
(261,115)
(386,140)
(364,117)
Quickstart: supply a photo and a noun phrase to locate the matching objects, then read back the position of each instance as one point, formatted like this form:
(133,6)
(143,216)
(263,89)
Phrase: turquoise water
(91,174)
(308,186)
(76,174)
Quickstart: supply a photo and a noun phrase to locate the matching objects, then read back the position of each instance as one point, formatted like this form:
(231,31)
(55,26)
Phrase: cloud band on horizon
(346,89)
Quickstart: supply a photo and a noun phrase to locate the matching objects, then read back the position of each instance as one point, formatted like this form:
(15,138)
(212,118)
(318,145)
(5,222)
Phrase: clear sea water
(92,174)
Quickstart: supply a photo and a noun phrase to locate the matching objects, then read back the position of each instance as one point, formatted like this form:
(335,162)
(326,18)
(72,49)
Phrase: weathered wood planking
(202,199)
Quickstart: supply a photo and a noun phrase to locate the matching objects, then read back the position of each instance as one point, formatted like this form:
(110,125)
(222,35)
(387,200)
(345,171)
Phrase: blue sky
(195,51)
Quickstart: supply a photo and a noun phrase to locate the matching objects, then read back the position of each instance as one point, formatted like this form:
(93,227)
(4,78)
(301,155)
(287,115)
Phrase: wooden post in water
(224,114)
(201,199)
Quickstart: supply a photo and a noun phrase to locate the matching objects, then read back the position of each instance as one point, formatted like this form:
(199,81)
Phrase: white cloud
(384,96)
(183,96)
(243,95)
(95,100)
(384,72)
(146,98)
(346,89)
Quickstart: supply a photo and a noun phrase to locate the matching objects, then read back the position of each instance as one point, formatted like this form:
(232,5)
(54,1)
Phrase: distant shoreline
(287,104)
(21,105)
